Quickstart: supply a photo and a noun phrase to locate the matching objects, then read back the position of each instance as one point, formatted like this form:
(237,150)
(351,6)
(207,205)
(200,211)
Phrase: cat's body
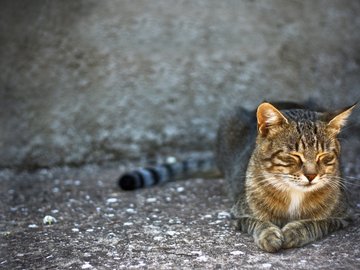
(281,164)
(282,170)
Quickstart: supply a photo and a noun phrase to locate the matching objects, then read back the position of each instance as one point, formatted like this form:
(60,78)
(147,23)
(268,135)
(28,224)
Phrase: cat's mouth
(306,184)
(307,181)
(309,184)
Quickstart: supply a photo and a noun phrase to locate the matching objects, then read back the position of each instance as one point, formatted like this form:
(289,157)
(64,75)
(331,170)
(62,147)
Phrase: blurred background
(91,81)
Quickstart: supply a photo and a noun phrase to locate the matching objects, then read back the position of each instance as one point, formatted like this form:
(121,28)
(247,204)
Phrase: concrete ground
(181,225)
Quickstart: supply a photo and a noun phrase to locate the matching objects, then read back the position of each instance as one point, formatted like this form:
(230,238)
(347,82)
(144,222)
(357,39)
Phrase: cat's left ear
(269,117)
(338,120)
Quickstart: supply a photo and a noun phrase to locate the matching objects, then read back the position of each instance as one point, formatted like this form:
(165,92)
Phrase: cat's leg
(302,232)
(267,236)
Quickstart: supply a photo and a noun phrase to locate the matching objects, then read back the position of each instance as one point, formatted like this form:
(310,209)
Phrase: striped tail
(166,172)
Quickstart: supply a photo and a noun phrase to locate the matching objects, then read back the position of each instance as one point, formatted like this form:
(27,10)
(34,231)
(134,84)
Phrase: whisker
(345,181)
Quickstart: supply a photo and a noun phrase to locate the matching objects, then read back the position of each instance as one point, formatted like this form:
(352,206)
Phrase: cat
(281,165)
(292,192)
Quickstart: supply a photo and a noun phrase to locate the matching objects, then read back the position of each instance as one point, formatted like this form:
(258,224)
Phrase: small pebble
(130,211)
(86,265)
(77,182)
(111,200)
(237,252)
(111,235)
(171,233)
(150,200)
(48,220)
(223,215)
(170,160)
(202,258)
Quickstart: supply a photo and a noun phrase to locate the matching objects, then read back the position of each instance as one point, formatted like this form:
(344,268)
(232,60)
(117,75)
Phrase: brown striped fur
(292,191)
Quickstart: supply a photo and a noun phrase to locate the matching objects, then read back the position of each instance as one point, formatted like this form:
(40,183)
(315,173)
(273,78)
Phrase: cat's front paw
(293,235)
(270,239)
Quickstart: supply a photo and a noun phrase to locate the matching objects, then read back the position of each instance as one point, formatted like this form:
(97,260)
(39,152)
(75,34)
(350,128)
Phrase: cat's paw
(270,239)
(293,235)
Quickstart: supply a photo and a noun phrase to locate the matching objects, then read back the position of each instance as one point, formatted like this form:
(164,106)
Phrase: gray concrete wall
(90,81)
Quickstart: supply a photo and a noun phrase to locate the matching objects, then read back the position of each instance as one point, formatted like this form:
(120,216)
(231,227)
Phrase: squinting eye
(327,159)
(297,158)
(285,160)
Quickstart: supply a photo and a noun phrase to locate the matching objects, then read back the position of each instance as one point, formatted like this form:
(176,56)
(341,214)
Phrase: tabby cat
(292,191)
(283,173)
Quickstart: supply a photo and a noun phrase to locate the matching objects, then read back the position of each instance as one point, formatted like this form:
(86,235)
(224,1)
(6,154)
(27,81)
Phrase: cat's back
(236,129)
(235,142)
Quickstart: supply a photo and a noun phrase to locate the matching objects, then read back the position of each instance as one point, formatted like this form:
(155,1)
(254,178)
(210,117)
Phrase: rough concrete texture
(90,81)
(182,225)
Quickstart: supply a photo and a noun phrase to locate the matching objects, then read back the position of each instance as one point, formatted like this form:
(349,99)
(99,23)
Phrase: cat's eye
(327,159)
(286,160)
(290,159)
(298,156)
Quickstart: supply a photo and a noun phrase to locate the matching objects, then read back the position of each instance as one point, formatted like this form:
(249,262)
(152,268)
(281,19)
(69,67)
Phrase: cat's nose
(310,177)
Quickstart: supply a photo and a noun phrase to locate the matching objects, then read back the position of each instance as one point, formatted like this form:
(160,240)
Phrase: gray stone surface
(182,225)
(91,81)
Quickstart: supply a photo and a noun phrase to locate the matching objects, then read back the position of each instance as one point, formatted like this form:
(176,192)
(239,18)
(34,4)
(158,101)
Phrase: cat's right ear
(338,120)
(268,117)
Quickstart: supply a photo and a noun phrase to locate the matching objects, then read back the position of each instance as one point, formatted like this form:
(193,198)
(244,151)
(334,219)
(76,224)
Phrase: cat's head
(298,148)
